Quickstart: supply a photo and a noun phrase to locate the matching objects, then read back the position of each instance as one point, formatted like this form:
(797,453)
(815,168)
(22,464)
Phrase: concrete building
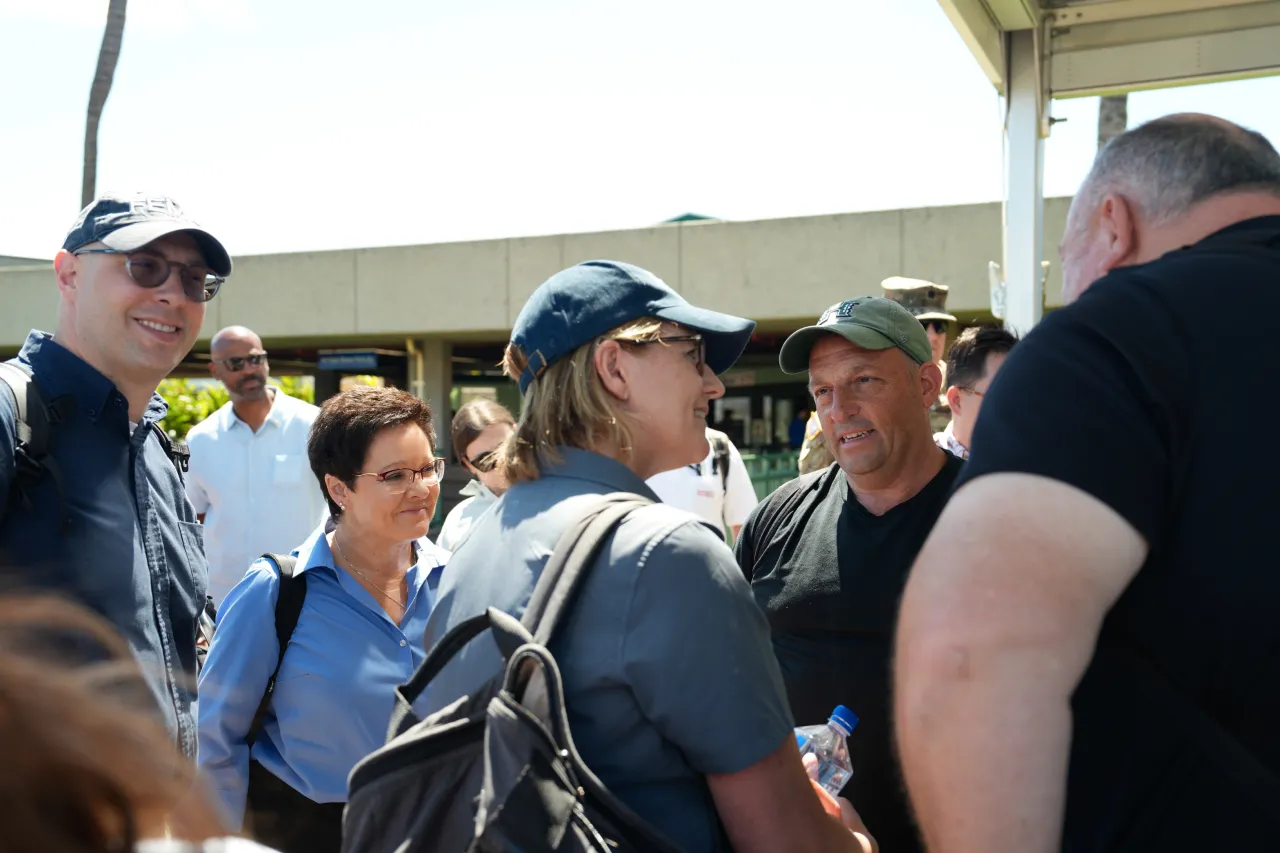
(432,318)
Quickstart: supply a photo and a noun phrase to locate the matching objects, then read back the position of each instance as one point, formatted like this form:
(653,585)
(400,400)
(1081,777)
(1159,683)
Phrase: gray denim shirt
(132,550)
(668,668)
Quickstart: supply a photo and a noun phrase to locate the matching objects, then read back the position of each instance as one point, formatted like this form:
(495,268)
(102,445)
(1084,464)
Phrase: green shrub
(189,403)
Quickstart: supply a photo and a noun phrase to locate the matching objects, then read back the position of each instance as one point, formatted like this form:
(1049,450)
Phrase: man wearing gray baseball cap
(92,504)
(827,554)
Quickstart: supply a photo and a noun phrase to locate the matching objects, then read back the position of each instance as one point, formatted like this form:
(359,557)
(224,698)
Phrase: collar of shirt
(477,489)
(63,373)
(316,555)
(277,417)
(578,464)
(947,441)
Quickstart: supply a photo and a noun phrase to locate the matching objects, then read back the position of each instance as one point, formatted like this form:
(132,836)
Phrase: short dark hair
(967,358)
(1169,164)
(472,419)
(347,425)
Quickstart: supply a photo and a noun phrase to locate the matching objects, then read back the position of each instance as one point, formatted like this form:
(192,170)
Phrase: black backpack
(498,770)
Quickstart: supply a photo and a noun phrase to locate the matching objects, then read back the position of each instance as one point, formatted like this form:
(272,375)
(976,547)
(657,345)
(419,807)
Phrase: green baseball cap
(871,322)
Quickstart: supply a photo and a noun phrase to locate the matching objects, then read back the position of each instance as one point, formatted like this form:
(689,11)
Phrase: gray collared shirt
(668,668)
(132,550)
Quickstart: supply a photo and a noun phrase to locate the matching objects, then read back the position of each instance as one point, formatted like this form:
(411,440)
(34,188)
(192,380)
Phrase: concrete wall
(779,272)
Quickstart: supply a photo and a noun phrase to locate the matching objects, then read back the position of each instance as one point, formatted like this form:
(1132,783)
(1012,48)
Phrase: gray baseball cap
(871,322)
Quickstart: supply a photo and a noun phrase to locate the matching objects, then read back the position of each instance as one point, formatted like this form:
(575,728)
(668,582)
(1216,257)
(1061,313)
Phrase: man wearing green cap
(827,554)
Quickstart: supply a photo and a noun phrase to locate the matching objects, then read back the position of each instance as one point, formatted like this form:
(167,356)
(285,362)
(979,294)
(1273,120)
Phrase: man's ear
(66,268)
(953,399)
(612,368)
(930,383)
(1118,226)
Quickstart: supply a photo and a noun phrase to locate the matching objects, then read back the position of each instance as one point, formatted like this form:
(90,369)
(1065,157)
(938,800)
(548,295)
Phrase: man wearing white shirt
(249,479)
(718,490)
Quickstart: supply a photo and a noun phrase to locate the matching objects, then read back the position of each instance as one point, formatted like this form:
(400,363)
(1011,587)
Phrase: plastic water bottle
(828,744)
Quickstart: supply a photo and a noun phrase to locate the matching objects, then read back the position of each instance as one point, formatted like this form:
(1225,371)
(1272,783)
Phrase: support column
(1026,107)
(431,378)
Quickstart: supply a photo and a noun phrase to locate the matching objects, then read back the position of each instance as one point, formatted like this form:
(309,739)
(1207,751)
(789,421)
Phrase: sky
(283,125)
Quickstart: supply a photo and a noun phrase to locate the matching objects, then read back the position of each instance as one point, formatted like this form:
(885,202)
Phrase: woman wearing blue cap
(674,695)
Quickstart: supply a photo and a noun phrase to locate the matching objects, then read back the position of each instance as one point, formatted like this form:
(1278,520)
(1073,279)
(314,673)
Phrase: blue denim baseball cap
(126,222)
(577,305)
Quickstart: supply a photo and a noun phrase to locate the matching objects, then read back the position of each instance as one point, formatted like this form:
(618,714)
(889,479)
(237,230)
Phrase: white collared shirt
(699,490)
(460,520)
(256,490)
(947,441)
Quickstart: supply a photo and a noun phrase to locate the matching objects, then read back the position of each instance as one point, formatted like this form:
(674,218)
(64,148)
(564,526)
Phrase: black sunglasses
(150,270)
(939,326)
(485,462)
(236,363)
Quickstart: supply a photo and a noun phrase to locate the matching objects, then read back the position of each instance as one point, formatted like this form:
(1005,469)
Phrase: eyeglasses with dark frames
(236,363)
(700,349)
(150,270)
(398,480)
(485,462)
(939,326)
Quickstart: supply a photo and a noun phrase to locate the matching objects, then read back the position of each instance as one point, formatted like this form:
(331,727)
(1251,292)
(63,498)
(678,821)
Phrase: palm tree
(1113,117)
(108,56)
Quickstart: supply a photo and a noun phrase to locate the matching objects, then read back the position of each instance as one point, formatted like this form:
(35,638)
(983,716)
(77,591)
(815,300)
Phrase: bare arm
(772,806)
(998,623)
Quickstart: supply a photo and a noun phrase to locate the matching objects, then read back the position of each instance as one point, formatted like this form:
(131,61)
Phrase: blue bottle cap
(845,719)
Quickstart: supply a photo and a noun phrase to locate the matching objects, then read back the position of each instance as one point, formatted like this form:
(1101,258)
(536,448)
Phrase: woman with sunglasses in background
(479,429)
(370,578)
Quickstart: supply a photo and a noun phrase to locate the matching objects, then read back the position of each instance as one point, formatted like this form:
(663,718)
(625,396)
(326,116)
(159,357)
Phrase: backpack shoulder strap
(293,592)
(17,381)
(178,454)
(34,419)
(574,554)
(720,461)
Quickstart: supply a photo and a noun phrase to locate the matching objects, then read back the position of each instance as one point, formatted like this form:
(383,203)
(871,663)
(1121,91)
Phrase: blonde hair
(567,405)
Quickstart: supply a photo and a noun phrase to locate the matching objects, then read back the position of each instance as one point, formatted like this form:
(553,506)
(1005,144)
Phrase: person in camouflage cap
(927,301)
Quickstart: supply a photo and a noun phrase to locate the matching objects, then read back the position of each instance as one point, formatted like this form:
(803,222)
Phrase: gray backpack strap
(573,556)
(575,553)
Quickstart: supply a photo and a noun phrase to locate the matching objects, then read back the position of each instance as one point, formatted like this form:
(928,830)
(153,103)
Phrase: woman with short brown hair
(370,586)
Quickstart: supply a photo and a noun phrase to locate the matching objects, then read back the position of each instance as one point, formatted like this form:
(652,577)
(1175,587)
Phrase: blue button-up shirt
(336,688)
(132,549)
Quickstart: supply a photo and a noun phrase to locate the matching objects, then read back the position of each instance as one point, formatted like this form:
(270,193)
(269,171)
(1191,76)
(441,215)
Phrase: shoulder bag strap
(293,592)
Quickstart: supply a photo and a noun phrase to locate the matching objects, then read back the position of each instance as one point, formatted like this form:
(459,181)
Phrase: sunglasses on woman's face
(150,270)
(485,462)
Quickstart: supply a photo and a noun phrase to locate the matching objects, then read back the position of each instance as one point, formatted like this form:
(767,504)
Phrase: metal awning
(1034,51)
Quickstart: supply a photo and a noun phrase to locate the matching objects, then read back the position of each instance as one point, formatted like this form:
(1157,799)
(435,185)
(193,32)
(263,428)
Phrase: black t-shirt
(829,575)
(1155,393)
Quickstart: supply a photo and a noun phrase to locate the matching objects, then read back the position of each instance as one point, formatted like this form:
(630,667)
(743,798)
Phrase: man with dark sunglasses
(250,481)
(91,493)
